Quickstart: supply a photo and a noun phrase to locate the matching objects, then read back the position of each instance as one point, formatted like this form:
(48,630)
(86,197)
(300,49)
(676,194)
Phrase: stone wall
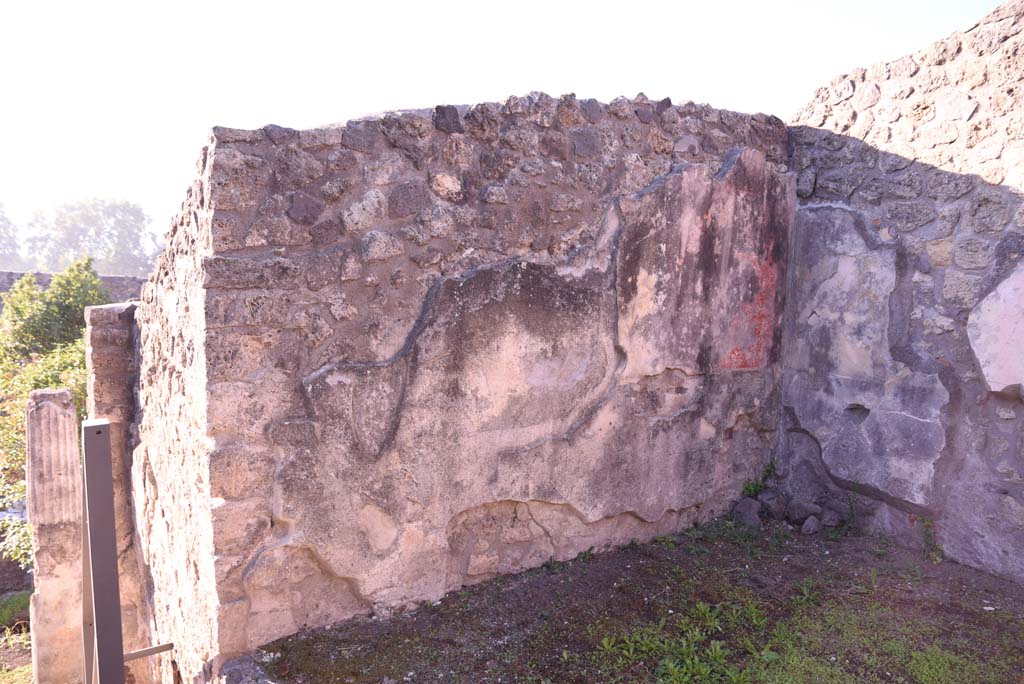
(379,361)
(903,374)
(110,340)
(121,288)
(384,360)
(170,471)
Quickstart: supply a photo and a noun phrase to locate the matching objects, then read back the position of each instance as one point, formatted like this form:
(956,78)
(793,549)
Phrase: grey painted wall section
(902,388)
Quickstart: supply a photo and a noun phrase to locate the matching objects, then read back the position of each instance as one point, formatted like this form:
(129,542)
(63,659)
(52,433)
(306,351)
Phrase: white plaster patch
(996,328)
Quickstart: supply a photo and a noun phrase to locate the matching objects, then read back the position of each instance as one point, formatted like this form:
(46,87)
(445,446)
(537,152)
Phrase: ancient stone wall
(383,360)
(172,497)
(379,361)
(110,339)
(902,386)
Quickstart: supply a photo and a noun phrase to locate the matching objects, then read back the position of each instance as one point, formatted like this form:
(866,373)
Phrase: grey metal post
(101,591)
(101,595)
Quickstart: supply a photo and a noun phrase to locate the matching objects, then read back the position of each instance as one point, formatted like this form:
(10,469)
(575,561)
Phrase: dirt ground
(12,577)
(712,605)
(14,643)
(15,654)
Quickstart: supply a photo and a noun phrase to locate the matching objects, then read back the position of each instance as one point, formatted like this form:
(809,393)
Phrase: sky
(115,99)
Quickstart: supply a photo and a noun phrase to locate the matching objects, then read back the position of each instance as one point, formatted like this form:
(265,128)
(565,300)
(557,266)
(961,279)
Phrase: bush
(21,321)
(12,606)
(62,367)
(35,322)
(16,542)
(41,346)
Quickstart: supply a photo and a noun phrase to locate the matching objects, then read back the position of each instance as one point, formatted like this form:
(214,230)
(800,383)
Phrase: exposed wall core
(384,360)
(379,361)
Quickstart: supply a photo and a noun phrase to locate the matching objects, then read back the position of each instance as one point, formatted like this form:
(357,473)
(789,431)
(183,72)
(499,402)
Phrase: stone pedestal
(55,512)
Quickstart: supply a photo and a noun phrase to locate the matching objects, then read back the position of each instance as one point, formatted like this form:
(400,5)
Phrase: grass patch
(752,488)
(21,675)
(716,611)
(12,605)
(866,642)
(937,666)
(813,637)
(683,649)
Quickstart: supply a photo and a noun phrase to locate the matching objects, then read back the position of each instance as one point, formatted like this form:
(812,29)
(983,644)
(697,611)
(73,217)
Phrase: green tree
(70,291)
(64,366)
(10,254)
(113,234)
(34,322)
(41,346)
(21,320)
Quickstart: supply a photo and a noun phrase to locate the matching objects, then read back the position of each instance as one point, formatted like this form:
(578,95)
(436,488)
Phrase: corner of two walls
(146,368)
(324,425)
(110,337)
(380,361)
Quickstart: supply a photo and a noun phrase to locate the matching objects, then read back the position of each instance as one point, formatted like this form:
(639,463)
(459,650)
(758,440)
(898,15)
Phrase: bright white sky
(113,99)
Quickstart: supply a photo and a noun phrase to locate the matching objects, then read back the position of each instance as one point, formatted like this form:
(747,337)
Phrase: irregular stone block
(906,216)
(995,328)
(249,274)
(239,181)
(446,118)
(961,289)
(811,526)
(747,512)
(988,213)
(303,208)
(408,199)
(774,503)
(972,254)
(798,511)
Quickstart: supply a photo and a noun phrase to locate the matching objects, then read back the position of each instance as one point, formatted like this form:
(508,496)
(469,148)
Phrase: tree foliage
(113,234)
(10,255)
(41,346)
(35,322)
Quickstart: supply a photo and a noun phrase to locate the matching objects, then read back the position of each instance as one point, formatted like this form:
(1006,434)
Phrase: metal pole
(145,652)
(104,656)
(88,628)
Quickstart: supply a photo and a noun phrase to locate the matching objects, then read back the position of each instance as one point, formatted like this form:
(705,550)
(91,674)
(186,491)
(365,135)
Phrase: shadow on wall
(901,389)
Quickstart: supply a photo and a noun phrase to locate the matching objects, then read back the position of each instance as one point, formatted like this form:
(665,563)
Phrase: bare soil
(14,642)
(711,605)
(12,577)
(15,653)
